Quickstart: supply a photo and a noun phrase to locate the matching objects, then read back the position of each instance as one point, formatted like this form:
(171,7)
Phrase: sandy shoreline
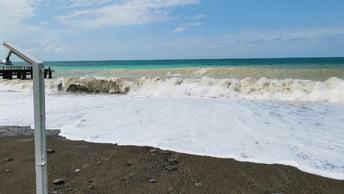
(108,168)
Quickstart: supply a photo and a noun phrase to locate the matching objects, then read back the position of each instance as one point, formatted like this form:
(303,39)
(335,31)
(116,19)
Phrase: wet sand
(108,168)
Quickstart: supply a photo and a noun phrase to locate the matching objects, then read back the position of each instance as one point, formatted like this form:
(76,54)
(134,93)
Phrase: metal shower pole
(39,116)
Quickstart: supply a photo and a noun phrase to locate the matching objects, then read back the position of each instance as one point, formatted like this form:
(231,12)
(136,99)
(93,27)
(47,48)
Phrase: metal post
(40,132)
(39,116)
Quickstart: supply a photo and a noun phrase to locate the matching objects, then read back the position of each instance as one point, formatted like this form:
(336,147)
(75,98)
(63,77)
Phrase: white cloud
(199,16)
(250,44)
(18,9)
(289,35)
(279,43)
(49,48)
(45,42)
(179,29)
(43,23)
(194,24)
(128,13)
(12,15)
(52,48)
(32,50)
(34,28)
(57,49)
(82,3)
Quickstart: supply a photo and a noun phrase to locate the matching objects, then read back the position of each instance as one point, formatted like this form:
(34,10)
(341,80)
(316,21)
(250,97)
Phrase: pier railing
(21,72)
(16,68)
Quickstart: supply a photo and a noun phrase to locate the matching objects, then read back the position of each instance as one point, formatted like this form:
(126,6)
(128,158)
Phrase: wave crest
(331,90)
(94,85)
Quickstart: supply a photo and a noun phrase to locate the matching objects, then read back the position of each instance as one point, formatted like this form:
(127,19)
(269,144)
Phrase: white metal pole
(39,116)
(40,131)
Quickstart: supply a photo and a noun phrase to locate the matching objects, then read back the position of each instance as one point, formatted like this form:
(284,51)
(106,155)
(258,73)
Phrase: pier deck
(21,72)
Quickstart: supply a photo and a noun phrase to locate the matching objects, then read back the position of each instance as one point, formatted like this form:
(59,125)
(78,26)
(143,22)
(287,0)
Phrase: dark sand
(108,168)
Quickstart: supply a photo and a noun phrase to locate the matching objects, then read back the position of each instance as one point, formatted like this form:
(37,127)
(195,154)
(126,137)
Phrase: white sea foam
(202,111)
(308,135)
(295,90)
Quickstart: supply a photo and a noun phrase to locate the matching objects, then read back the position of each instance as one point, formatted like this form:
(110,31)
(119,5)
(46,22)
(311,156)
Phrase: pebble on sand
(8,159)
(8,171)
(152,181)
(173,161)
(58,181)
(166,152)
(77,170)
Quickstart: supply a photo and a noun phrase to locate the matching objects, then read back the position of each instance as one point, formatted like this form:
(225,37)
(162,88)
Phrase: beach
(233,125)
(171,96)
(109,168)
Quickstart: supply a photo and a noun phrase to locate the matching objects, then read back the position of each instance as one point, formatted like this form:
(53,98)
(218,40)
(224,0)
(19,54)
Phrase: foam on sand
(306,135)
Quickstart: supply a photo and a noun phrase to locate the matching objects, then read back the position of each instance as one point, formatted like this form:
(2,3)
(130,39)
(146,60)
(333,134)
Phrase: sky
(65,30)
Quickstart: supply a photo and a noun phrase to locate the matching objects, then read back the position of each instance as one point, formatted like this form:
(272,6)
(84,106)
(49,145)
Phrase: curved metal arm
(8,56)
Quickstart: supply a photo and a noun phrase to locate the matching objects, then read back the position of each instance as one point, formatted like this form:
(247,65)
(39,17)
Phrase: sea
(286,111)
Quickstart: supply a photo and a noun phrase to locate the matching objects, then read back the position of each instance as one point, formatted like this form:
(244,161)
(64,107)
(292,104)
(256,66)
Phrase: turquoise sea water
(275,63)
(319,69)
(278,63)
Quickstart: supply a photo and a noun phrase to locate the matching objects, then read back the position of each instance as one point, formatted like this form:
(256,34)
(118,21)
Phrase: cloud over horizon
(128,13)
(179,29)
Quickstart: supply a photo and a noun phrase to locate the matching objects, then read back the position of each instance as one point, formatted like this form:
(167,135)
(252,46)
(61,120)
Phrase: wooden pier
(21,72)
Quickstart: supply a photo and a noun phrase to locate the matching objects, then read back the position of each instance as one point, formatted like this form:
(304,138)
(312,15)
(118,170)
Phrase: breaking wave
(331,90)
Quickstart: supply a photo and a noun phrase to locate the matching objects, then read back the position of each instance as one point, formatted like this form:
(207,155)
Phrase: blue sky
(54,30)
